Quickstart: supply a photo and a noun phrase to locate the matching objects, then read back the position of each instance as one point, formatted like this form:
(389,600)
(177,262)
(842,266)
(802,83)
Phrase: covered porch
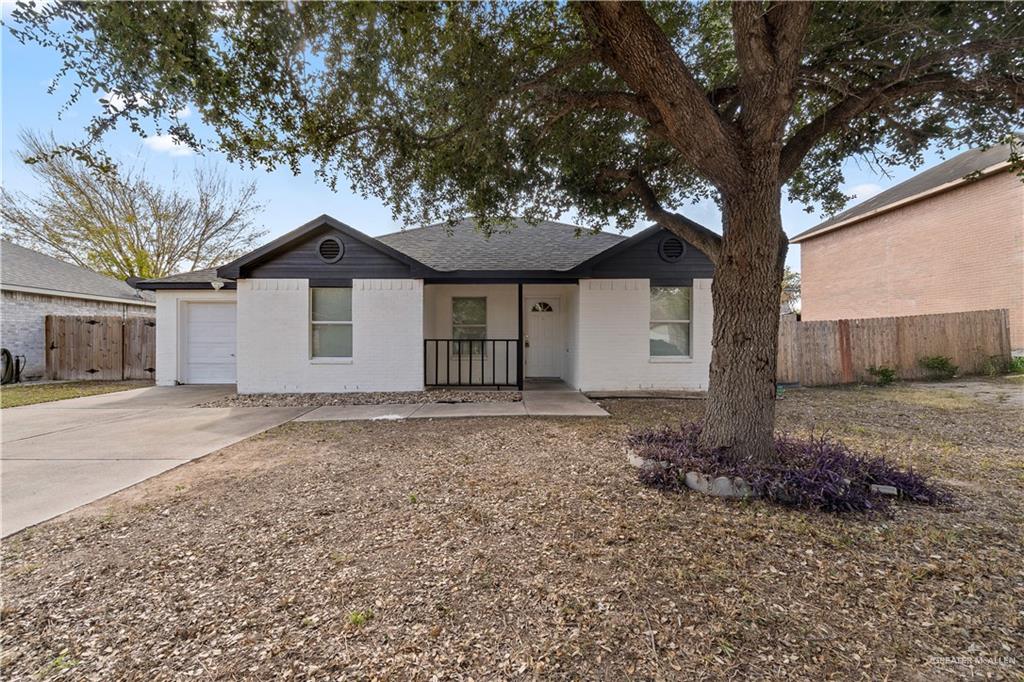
(499,335)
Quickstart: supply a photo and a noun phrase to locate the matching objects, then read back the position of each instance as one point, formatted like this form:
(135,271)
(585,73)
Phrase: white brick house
(34,285)
(327,308)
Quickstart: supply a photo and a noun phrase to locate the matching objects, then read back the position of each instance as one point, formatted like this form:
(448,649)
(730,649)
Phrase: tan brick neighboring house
(939,242)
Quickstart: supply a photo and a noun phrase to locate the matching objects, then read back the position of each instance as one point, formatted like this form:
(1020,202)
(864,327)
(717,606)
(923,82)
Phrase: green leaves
(495,109)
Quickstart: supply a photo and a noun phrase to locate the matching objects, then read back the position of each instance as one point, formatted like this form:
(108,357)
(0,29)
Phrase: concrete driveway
(58,456)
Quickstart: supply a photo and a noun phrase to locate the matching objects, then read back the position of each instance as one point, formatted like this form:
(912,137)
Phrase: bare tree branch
(121,224)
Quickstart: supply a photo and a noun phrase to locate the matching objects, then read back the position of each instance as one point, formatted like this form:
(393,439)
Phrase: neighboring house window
(331,322)
(469,325)
(670,321)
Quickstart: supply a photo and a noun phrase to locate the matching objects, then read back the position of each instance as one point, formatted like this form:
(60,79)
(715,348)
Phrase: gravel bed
(502,549)
(379,398)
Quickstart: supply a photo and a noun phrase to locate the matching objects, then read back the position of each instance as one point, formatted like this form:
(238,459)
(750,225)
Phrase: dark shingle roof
(953,169)
(545,246)
(196,277)
(27,268)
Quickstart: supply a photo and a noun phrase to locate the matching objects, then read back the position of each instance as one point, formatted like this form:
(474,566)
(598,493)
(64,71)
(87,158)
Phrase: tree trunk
(740,412)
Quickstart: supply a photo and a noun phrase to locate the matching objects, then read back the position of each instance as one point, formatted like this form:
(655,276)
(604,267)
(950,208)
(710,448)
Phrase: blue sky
(289,200)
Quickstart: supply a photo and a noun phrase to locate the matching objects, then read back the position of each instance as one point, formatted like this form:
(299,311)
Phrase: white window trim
(328,359)
(689,328)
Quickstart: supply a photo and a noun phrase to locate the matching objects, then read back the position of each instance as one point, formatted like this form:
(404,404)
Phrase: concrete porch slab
(552,403)
(347,413)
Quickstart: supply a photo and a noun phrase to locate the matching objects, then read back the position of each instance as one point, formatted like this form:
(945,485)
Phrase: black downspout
(519,355)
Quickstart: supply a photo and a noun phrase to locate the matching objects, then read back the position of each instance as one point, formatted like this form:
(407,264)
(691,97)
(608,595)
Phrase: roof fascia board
(75,294)
(945,187)
(153,286)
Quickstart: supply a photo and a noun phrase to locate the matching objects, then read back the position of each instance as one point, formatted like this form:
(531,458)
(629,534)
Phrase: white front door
(545,345)
(209,343)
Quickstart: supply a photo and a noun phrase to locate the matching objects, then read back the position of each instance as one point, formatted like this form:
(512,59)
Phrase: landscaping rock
(742,488)
(640,462)
(735,488)
(722,487)
(697,481)
(885,490)
(635,459)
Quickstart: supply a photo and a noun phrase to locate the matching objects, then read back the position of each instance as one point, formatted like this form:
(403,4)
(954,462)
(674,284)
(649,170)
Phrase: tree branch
(901,81)
(635,185)
(878,98)
(769,43)
(629,42)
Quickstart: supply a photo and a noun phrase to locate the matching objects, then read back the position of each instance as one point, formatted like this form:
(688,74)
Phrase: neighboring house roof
(23,269)
(198,279)
(953,172)
(548,246)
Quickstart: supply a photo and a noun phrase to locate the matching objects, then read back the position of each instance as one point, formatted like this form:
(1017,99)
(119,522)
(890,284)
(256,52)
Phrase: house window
(469,325)
(331,322)
(670,321)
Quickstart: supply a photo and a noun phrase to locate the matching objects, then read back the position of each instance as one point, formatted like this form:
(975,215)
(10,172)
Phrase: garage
(209,343)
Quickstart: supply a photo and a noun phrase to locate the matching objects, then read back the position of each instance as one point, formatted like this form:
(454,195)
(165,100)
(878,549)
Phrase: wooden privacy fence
(841,351)
(100,347)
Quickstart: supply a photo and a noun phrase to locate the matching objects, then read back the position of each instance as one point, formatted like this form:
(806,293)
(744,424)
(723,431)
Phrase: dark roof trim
(233,269)
(587,265)
(153,285)
(501,277)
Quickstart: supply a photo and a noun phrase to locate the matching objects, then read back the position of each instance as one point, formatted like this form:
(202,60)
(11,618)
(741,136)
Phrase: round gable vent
(671,249)
(330,249)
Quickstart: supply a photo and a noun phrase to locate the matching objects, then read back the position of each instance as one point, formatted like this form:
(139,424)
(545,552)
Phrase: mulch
(526,549)
(377,398)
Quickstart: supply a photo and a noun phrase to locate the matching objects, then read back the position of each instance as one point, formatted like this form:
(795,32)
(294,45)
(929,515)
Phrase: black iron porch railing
(472,362)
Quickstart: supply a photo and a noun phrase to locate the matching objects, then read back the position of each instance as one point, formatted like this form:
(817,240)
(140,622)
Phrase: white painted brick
(274,338)
(613,328)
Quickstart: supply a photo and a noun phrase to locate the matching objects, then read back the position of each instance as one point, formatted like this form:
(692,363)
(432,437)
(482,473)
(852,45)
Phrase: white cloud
(169,144)
(865,191)
(184,112)
(116,101)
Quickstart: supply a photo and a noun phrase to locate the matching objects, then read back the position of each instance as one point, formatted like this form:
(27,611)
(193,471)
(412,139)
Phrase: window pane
(469,333)
(469,311)
(671,338)
(332,305)
(670,303)
(332,340)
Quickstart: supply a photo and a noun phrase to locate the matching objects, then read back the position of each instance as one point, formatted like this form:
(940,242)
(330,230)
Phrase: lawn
(16,395)
(525,548)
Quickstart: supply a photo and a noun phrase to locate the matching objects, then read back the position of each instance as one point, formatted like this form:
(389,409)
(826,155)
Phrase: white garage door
(210,343)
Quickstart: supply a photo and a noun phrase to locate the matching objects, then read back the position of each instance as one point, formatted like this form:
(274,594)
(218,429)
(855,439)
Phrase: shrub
(995,365)
(1016,365)
(939,366)
(883,375)
(812,473)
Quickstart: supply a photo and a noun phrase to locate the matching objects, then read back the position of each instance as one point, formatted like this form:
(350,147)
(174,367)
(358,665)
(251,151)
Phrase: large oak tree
(619,110)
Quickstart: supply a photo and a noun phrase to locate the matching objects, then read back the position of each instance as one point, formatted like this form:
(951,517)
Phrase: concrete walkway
(58,456)
(554,401)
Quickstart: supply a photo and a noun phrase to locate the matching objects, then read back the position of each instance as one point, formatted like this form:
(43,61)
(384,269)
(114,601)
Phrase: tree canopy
(496,109)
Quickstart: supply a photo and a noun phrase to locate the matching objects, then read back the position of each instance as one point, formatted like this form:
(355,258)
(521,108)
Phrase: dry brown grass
(525,548)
